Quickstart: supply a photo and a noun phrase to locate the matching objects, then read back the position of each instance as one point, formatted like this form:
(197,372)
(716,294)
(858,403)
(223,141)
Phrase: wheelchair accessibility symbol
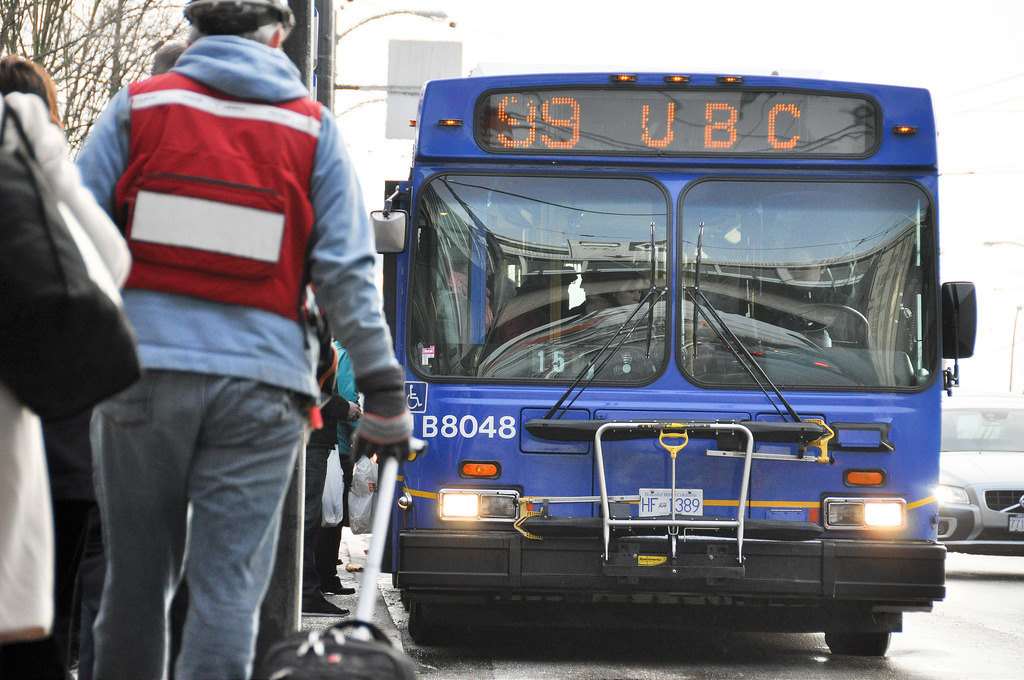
(416,396)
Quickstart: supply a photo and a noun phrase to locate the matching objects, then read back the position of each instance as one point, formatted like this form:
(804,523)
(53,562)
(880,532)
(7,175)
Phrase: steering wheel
(861,334)
(629,363)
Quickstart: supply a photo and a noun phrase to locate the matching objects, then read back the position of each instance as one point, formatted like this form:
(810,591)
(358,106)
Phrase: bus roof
(505,69)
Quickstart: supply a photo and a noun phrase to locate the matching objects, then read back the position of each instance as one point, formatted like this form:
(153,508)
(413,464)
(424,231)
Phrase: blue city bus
(676,343)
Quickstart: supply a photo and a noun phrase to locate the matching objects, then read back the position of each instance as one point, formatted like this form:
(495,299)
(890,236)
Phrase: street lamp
(433,15)
(356,106)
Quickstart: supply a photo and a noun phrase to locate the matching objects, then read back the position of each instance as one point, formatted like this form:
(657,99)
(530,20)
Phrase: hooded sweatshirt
(182,333)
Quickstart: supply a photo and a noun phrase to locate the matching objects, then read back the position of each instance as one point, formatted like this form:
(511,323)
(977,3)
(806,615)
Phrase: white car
(981,475)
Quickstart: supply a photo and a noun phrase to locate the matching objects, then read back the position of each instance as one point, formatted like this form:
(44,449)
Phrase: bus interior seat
(903,369)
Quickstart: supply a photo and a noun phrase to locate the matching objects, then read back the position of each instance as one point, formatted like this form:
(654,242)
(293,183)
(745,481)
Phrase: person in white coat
(26,526)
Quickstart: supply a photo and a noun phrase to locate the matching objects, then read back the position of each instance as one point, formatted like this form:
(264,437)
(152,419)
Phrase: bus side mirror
(959,319)
(391,228)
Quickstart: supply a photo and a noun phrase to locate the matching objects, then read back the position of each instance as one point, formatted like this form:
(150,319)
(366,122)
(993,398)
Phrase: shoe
(321,606)
(335,588)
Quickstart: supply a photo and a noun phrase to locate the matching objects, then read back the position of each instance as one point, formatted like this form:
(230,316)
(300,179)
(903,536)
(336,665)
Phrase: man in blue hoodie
(235,191)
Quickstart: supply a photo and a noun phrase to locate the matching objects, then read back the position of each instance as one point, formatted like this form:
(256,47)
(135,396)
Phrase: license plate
(1017,522)
(656,502)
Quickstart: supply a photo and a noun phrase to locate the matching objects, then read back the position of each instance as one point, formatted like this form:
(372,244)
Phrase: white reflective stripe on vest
(216,227)
(226,108)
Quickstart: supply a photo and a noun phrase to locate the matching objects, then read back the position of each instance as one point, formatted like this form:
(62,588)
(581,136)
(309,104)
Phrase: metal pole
(1013,341)
(324,67)
(299,45)
(1013,344)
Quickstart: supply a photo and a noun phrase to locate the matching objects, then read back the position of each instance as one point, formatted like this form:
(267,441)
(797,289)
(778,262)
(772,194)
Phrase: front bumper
(464,566)
(966,528)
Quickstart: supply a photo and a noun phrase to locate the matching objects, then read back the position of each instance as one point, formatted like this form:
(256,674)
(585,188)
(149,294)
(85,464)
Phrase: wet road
(977,632)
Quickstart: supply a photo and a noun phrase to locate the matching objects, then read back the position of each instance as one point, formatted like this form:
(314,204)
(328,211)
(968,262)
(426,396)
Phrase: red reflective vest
(215,199)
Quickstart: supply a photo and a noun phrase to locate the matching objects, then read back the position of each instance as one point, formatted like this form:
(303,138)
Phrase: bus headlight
(459,505)
(489,505)
(951,494)
(865,513)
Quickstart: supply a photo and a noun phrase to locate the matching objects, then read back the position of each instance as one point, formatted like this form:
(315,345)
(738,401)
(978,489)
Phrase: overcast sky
(969,55)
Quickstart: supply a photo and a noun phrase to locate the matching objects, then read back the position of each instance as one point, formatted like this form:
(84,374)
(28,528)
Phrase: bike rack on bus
(673,430)
(631,549)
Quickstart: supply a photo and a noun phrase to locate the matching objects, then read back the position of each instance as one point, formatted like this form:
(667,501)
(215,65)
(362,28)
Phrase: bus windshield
(531,277)
(824,283)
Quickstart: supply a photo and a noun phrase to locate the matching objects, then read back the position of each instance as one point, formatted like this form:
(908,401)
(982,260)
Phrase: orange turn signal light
(904,129)
(450,122)
(480,469)
(623,78)
(865,478)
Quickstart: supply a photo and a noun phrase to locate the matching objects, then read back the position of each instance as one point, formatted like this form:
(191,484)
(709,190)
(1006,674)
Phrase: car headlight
(951,494)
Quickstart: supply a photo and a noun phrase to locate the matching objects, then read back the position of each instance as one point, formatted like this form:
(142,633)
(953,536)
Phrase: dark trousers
(328,541)
(52,656)
(316,475)
(328,547)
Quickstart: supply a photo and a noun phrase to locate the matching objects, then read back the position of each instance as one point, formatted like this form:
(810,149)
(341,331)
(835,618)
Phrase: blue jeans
(191,472)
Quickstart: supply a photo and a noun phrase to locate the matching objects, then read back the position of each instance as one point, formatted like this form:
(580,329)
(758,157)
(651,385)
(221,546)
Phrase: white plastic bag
(362,495)
(334,492)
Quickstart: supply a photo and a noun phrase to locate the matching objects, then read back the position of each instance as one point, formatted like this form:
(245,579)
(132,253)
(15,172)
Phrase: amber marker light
(680,80)
(480,469)
(730,80)
(450,122)
(623,78)
(904,130)
(873,478)
(412,123)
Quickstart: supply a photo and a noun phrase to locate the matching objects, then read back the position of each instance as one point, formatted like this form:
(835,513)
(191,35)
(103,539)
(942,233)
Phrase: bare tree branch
(91,48)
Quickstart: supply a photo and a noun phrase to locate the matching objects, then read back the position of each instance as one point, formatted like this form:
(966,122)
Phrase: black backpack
(65,344)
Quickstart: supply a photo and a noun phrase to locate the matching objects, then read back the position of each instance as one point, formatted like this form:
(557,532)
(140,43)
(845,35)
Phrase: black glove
(386,425)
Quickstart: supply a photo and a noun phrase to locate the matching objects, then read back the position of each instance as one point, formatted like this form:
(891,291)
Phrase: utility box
(410,64)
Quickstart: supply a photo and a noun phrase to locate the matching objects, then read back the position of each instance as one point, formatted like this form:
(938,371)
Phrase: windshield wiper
(652,295)
(730,339)
(649,298)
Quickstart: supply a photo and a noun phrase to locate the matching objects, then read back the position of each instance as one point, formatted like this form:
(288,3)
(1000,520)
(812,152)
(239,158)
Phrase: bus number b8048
(450,426)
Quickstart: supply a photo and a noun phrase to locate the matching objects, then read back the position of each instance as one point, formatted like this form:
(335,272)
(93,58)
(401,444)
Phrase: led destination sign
(676,122)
